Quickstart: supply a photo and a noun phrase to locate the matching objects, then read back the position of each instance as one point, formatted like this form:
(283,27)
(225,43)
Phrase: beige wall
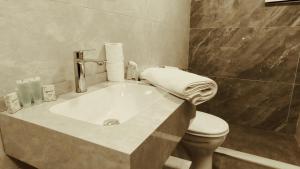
(38,37)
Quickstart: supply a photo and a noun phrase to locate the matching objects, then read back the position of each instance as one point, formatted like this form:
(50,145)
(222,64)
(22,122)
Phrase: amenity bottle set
(29,91)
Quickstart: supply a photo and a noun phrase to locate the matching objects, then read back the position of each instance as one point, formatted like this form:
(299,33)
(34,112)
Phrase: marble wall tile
(242,13)
(246,53)
(263,143)
(294,111)
(134,8)
(229,13)
(166,11)
(283,16)
(298,133)
(248,103)
(297,81)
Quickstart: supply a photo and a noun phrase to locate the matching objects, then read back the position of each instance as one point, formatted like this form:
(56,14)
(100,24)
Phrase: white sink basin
(119,102)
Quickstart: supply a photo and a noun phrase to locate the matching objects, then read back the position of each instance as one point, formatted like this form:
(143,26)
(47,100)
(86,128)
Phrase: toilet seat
(207,125)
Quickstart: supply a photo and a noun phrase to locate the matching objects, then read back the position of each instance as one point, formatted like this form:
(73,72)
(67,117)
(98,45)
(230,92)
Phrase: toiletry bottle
(132,71)
(36,90)
(24,92)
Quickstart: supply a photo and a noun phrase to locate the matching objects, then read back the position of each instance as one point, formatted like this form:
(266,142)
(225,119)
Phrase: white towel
(194,88)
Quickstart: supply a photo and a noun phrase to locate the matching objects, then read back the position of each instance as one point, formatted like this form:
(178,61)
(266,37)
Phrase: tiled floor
(266,144)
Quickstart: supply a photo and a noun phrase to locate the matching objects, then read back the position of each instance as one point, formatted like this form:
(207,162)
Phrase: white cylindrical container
(114,52)
(12,102)
(115,71)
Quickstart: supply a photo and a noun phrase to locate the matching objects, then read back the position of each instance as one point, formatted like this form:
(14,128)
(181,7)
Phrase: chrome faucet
(79,69)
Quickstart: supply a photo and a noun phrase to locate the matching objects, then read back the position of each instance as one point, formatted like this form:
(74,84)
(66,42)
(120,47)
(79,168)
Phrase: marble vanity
(46,137)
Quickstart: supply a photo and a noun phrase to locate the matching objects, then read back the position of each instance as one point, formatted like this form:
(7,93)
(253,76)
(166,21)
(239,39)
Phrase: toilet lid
(208,125)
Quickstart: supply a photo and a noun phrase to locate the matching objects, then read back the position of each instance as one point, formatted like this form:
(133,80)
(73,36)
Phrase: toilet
(205,134)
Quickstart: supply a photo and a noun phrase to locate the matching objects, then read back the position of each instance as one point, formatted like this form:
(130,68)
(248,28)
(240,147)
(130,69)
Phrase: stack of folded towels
(194,88)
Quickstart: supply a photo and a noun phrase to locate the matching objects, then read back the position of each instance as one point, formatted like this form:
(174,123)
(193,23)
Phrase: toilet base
(201,149)
(203,161)
(201,158)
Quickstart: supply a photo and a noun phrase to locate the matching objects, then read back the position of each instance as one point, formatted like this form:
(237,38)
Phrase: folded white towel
(194,88)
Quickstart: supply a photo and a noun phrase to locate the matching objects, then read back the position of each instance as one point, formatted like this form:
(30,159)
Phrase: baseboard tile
(255,159)
(177,163)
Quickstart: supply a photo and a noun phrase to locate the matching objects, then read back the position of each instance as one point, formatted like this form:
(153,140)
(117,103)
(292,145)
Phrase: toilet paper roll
(115,71)
(114,52)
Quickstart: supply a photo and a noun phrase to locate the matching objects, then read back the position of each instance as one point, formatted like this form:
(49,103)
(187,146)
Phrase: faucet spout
(79,70)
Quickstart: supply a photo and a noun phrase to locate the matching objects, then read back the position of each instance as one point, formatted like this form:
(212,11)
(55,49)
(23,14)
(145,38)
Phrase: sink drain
(111,122)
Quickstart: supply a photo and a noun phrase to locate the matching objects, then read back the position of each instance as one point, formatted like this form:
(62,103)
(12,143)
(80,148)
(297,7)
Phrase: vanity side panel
(47,149)
(5,161)
(156,149)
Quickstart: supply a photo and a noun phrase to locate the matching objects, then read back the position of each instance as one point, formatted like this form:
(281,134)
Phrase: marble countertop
(125,138)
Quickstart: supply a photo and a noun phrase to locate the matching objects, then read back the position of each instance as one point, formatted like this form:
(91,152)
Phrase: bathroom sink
(128,125)
(117,103)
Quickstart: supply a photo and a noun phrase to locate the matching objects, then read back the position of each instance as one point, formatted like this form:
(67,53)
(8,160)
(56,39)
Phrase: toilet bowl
(205,134)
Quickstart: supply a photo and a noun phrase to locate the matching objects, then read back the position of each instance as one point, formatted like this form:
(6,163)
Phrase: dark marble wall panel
(242,13)
(246,53)
(298,132)
(298,74)
(256,104)
(294,111)
(271,145)
(253,52)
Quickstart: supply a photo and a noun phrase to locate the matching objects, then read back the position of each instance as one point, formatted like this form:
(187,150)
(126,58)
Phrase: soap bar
(12,102)
(49,93)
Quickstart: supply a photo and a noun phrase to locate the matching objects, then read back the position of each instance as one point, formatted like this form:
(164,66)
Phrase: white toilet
(205,134)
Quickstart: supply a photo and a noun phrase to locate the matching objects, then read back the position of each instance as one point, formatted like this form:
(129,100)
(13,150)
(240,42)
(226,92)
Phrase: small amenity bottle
(36,90)
(132,71)
(24,92)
